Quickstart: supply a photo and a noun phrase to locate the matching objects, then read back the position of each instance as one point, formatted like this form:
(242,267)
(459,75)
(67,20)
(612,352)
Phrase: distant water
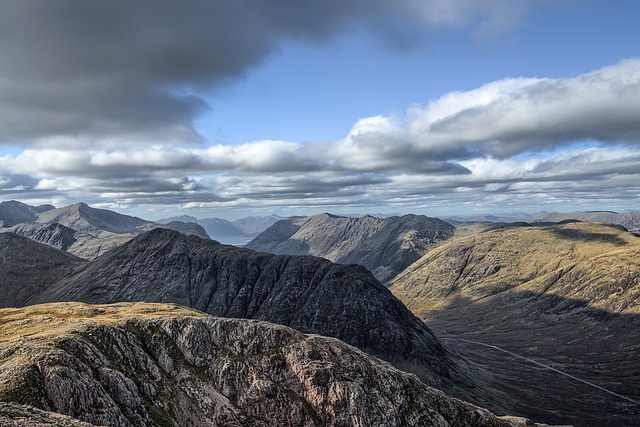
(232,240)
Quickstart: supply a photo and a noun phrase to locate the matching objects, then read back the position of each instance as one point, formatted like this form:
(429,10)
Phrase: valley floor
(565,388)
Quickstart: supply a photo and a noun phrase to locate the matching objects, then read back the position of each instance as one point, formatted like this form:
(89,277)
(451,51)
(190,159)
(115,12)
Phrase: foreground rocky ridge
(385,246)
(566,295)
(163,365)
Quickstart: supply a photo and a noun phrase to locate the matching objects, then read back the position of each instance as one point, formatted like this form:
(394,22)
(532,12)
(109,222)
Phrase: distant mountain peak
(384,245)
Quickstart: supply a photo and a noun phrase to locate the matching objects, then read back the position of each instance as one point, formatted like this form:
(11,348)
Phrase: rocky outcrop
(16,415)
(385,246)
(310,294)
(159,365)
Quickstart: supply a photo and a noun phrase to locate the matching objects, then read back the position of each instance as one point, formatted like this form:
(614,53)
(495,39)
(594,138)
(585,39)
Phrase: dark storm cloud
(130,69)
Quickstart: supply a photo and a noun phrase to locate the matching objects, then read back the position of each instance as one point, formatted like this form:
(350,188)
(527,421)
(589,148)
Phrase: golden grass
(489,261)
(46,321)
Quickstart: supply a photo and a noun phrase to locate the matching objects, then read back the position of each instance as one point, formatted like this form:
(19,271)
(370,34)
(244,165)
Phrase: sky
(218,108)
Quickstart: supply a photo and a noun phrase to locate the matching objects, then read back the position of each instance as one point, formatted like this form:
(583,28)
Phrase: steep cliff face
(385,246)
(310,294)
(160,365)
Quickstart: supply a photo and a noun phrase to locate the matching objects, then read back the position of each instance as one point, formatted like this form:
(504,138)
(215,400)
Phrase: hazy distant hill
(162,365)
(489,218)
(629,220)
(238,232)
(80,229)
(386,246)
(568,295)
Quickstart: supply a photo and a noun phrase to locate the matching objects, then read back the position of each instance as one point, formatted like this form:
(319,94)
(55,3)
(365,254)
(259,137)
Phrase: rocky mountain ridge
(162,365)
(13,212)
(386,246)
(80,229)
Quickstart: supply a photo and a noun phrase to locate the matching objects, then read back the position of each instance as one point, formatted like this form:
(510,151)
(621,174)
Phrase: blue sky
(357,75)
(212,109)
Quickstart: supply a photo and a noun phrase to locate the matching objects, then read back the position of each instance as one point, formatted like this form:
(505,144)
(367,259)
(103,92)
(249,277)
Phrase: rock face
(385,246)
(159,365)
(310,294)
(27,267)
(55,235)
(16,415)
(567,295)
(629,220)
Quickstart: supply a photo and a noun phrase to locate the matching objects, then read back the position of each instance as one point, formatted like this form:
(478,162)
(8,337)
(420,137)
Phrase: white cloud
(464,147)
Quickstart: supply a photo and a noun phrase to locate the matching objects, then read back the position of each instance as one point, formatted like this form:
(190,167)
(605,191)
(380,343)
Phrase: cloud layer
(513,140)
(103,97)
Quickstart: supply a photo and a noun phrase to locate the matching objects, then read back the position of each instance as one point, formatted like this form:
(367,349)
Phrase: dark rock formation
(158,365)
(385,246)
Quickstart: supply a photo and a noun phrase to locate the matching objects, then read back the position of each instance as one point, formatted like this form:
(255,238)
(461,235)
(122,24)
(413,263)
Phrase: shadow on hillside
(586,236)
(566,334)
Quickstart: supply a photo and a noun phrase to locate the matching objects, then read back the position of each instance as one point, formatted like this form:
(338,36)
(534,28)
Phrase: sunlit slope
(592,262)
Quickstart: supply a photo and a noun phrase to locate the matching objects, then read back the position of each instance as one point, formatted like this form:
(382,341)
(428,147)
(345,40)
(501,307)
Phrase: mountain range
(536,319)
(310,294)
(385,246)
(80,229)
(566,296)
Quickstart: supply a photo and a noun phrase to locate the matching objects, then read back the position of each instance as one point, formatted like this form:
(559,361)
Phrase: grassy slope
(597,263)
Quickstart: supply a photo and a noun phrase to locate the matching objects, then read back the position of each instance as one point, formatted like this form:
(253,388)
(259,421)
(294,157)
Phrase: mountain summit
(385,246)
